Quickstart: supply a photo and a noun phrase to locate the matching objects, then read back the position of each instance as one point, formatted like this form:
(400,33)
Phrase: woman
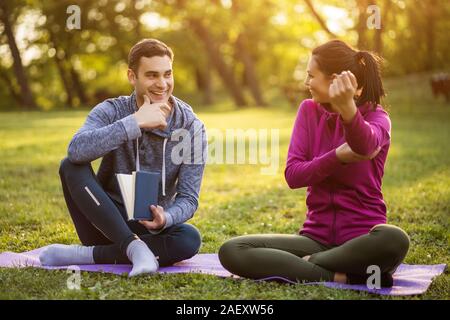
(338,149)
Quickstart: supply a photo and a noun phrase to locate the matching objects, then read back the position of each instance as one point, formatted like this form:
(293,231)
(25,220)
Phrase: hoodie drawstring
(163,170)
(137,155)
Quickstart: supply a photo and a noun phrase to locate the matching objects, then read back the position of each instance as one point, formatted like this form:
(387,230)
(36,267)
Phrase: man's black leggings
(101,221)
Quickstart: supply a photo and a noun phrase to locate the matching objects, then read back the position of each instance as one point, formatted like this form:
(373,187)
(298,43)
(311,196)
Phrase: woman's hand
(346,155)
(159,218)
(341,92)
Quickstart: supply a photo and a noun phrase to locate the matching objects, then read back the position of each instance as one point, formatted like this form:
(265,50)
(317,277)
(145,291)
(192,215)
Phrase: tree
(319,19)
(217,60)
(378,37)
(67,44)
(27,99)
(243,50)
(61,66)
(361,24)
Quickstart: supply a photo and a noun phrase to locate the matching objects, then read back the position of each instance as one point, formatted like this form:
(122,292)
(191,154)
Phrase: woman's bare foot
(340,277)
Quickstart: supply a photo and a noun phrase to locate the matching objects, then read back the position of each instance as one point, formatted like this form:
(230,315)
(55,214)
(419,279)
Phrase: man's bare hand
(153,115)
(159,218)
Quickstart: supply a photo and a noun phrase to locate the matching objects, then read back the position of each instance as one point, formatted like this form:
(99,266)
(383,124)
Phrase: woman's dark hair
(336,56)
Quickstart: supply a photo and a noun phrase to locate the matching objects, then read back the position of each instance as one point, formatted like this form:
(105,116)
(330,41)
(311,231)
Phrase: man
(148,122)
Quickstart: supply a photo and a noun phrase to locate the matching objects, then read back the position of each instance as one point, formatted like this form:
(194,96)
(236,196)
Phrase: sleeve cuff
(131,127)
(169,223)
(169,220)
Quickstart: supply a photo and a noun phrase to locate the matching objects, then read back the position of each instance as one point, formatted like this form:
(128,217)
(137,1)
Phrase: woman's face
(317,82)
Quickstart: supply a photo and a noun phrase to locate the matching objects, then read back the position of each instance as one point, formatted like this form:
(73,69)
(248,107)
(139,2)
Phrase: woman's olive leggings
(261,256)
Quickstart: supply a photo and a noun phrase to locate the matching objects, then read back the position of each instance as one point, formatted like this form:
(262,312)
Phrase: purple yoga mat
(408,279)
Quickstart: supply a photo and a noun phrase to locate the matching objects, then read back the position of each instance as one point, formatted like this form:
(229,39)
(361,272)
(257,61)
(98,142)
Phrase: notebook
(139,191)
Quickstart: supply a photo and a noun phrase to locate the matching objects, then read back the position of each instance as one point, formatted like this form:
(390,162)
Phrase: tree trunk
(114,30)
(361,25)
(251,79)
(431,12)
(63,75)
(216,59)
(243,54)
(203,81)
(378,47)
(27,99)
(9,84)
(61,69)
(78,86)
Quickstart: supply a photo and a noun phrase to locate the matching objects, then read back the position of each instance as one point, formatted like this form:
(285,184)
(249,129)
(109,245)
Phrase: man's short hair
(147,48)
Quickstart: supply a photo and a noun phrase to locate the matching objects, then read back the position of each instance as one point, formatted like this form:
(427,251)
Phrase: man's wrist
(131,127)
(168,222)
(136,117)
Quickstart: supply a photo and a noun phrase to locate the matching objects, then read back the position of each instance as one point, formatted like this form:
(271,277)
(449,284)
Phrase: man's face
(154,78)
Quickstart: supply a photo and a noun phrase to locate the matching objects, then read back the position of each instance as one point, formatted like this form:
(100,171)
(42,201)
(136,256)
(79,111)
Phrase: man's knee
(67,167)
(394,240)
(64,165)
(191,240)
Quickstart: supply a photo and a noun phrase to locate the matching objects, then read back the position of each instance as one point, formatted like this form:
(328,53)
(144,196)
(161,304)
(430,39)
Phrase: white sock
(64,255)
(142,257)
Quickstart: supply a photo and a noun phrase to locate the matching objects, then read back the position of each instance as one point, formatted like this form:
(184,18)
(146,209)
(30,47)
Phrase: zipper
(335,139)
(334,217)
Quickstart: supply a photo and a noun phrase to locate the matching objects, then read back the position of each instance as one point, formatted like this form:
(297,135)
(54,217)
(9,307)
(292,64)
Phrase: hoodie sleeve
(301,171)
(189,178)
(100,134)
(364,136)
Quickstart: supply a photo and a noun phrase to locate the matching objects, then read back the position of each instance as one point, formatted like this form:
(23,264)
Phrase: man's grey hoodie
(112,132)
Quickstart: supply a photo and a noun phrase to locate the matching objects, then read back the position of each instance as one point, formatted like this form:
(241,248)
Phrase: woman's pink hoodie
(344,201)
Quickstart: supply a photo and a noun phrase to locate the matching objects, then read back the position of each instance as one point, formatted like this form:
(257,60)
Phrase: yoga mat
(408,279)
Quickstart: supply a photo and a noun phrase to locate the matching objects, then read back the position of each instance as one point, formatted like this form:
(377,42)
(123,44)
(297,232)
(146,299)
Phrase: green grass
(235,199)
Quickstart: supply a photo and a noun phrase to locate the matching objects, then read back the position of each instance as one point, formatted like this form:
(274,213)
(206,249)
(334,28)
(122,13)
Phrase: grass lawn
(235,199)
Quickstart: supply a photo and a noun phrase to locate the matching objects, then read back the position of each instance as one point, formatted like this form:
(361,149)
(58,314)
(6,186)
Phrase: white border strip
(92,196)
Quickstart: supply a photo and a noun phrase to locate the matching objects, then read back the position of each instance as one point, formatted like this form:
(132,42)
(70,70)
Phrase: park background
(241,65)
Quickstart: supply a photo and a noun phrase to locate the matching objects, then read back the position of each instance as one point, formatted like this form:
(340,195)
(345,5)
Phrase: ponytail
(336,56)
(369,66)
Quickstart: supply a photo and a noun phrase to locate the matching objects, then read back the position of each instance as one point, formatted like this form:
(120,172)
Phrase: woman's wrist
(348,112)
